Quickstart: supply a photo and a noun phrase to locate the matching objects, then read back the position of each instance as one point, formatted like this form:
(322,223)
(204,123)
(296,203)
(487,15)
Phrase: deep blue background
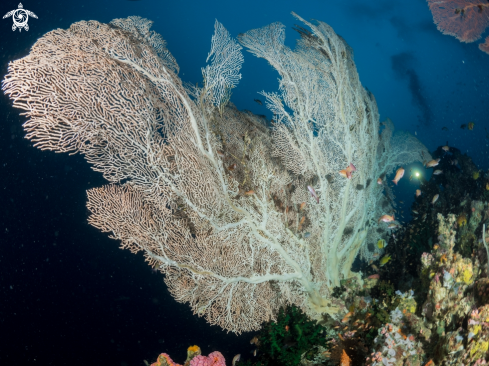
(68,295)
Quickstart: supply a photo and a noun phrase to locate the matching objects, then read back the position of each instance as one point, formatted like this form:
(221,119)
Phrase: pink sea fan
(214,359)
(485,46)
(464,19)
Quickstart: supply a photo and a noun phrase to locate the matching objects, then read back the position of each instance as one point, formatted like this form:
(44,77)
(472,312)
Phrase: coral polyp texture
(242,218)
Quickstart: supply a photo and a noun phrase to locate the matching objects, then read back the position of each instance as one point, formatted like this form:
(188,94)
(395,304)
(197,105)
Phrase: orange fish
(399,175)
(386,218)
(374,276)
(232,167)
(303,204)
(347,172)
(379,181)
(432,163)
(418,192)
(345,360)
(249,193)
(346,318)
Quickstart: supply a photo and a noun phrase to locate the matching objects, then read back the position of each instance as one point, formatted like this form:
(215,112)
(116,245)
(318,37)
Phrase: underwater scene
(256,183)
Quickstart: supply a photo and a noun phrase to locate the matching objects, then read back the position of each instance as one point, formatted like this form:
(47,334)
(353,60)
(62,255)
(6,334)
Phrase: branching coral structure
(240,217)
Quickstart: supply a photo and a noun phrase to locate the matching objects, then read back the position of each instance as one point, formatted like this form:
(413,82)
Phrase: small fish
(254,340)
(487,186)
(374,267)
(381,243)
(392,226)
(463,126)
(418,193)
(374,276)
(401,202)
(379,181)
(414,211)
(236,359)
(385,259)
(399,175)
(313,193)
(348,171)
(220,153)
(255,352)
(307,234)
(435,198)
(470,126)
(258,101)
(250,193)
(301,207)
(232,167)
(302,220)
(444,128)
(462,220)
(454,162)
(346,317)
(432,163)
(445,148)
(437,172)
(386,218)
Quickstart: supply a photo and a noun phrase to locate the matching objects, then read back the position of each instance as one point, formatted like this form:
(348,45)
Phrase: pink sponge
(214,359)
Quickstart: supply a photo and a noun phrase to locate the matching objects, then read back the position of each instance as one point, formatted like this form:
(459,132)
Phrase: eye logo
(20,17)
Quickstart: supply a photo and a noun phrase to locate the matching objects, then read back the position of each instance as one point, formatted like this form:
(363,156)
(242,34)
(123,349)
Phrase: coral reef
(393,347)
(251,224)
(292,337)
(444,321)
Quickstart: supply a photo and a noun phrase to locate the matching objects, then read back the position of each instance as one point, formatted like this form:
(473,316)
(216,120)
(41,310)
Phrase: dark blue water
(68,295)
